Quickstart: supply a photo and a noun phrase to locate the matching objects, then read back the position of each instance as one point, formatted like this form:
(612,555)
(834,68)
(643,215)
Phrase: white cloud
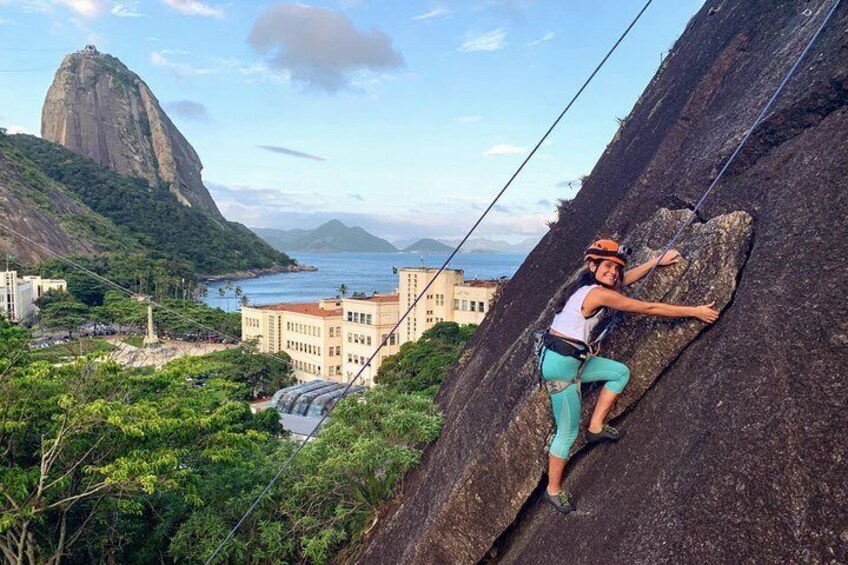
(547,37)
(181,69)
(436,12)
(126,9)
(13,129)
(469,119)
(190,110)
(489,41)
(503,149)
(319,47)
(36,6)
(194,8)
(85,8)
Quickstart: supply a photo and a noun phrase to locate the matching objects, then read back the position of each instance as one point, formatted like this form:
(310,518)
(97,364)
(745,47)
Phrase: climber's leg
(615,375)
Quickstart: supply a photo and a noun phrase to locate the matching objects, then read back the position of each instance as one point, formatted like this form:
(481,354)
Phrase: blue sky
(405,118)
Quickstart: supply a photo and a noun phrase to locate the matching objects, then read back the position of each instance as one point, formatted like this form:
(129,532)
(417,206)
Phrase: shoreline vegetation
(256,273)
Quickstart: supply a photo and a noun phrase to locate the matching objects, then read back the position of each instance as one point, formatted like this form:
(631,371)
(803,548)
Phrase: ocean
(359,272)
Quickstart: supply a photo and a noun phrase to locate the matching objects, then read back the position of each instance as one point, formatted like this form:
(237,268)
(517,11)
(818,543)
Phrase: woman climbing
(565,349)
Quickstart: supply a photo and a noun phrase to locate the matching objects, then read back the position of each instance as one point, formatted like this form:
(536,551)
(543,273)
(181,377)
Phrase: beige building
(368,321)
(436,306)
(18,295)
(449,299)
(40,286)
(310,333)
(334,338)
(472,300)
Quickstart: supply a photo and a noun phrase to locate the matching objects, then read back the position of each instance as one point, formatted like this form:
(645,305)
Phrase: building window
(369,340)
(464,305)
(480,306)
(473,306)
(456,304)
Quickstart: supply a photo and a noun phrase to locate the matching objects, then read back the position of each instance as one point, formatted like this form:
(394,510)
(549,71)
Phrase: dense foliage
(95,460)
(138,272)
(23,180)
(152,214)
(260,375)
(421,366)
(108,465)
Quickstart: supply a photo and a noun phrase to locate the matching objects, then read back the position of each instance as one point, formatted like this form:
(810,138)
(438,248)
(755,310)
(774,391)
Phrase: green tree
(104,461)
(67,315)
(52,296)
(260,375)
(421,366)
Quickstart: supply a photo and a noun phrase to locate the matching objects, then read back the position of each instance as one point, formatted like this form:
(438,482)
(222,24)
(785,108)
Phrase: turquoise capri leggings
(566,404)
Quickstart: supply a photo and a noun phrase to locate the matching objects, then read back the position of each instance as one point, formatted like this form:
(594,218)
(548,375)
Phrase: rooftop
(299,425)
(308,308)
(428,269)
(378,298)
(481,283)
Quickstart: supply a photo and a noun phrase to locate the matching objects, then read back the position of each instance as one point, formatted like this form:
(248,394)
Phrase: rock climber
(566,346)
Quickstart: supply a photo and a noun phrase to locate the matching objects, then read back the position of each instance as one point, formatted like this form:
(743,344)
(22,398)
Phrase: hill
(733,452)
(45,211)
(331,237)
(428,246)
(152,217)
(98,108)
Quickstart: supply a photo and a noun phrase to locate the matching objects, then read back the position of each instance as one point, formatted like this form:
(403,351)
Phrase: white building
(18,295)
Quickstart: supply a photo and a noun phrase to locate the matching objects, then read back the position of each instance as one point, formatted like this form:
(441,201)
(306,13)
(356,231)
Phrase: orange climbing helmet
(608,249)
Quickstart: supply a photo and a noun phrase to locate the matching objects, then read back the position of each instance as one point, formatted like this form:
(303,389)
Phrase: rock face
(735,450)
(47,214)
(98,108)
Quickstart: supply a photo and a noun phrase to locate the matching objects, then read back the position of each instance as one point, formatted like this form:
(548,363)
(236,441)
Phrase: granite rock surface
(100,109)
(735,449)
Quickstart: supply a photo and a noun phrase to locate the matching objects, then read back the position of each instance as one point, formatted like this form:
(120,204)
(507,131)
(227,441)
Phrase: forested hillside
(52,218)
(151,215)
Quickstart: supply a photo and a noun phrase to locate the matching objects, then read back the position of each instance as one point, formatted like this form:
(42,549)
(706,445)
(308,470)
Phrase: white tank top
(570,321)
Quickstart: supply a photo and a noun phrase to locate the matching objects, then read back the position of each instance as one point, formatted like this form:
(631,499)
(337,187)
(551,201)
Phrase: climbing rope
(430,283)
(760,116)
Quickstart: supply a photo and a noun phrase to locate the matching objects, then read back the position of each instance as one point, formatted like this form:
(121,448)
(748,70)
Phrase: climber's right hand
(706,313)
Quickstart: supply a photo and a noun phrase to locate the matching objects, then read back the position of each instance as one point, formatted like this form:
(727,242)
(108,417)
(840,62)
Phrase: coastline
(254,273)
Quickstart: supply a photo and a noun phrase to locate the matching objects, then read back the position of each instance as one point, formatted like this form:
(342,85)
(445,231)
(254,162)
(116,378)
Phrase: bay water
(359,272)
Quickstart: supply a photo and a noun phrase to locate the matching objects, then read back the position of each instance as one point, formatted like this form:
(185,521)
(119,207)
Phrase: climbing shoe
(561,501)
(607,433)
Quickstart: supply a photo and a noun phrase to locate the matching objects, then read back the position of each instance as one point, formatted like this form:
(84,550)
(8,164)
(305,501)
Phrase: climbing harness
(545,341)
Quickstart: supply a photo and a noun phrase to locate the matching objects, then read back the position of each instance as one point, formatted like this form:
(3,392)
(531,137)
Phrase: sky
(404,118)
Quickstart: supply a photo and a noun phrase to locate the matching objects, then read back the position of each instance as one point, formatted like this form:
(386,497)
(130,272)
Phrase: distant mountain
(428,246)
(483,245)
(332,237)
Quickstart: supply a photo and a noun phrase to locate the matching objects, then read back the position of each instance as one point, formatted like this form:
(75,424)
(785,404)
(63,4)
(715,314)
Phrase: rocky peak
(100,109)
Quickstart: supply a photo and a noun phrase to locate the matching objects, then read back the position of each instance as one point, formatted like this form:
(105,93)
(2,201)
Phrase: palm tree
(343,290)
(244,300)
